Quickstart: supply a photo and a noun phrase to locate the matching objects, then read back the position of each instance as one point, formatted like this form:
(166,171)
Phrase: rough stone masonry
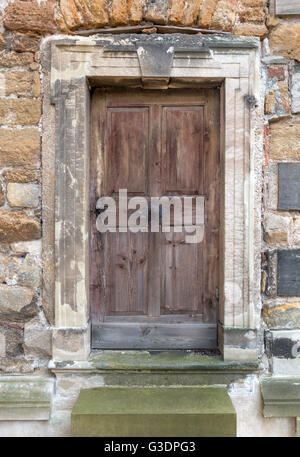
(25,320)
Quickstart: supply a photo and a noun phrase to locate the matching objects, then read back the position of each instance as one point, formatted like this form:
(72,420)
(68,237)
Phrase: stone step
(154,412)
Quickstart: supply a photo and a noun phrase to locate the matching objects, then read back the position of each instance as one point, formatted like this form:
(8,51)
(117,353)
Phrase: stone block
(272,21)
(23,195)
(14,265)
(156,11)
(190,12)
(271,267)
(37,339)
(274,60)
(2,345)
(271,186)
(93,12)
(176,9)
(295,89)
(70,14)
(276,228)
(284,137)
(254,3)
(252,14)
(17,366)
(118,13)
(19,43)
(2,197)
(281,396)
(160,412)
(283,99)
(25,399)
(4,259)
(29,275)
(224,15)
(87,13)
(270,101)
(20,112)
(71,343)
(15,59)
(19,148)
(287,8)
(296,230)
(283,349)
(239,344)
(19,83)
(250,29)
(167,361)
(206,13)
(288,274)
(289,186)
(34,248)
(279,72)
(20,176)
(281,315)
(17,226)
(13,336)
(36,90)
(15,301)
(285,40)
(277,103)
(135,11)
(30,17)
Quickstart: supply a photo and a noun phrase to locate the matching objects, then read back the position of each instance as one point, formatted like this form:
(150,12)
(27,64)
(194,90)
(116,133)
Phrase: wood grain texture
(155,143)
(182,148)
(155,336)
(128,141)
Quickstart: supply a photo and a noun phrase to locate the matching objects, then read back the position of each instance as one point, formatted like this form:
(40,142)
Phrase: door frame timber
(71,67)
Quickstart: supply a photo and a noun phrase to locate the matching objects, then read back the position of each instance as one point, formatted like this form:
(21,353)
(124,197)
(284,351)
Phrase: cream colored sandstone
(23,195)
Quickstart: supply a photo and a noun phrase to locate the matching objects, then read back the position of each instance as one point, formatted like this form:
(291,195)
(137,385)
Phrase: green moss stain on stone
(164,360)
(154,411)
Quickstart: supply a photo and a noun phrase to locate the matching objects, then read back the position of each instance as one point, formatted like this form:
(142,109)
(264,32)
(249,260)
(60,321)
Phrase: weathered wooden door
(155,290)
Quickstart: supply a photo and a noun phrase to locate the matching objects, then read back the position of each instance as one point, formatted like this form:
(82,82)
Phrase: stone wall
(25,320)
(281,220)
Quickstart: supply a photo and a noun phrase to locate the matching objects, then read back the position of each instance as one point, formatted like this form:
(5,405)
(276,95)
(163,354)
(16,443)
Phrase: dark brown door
(155,290)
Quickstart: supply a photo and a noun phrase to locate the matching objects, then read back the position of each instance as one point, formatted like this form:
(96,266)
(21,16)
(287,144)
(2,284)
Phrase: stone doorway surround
(71,67)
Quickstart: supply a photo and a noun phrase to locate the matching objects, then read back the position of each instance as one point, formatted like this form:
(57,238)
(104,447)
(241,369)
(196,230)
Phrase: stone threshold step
(154,412)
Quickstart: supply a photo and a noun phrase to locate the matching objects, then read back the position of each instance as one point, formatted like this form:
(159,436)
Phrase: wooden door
(155,290)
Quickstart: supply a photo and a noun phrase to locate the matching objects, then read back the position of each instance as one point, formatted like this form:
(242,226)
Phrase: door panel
(182,148)
(127,149)
(155,290)
(181,275)
(127,273)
